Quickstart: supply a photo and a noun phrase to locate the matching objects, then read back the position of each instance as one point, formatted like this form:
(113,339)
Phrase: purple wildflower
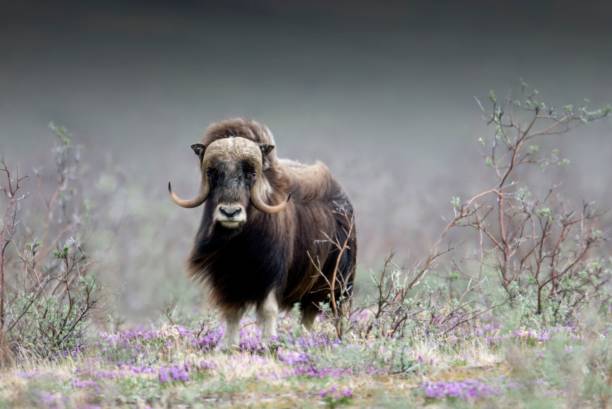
(205,365)
(163,375)
(251,344)
(210,340)
(135,369)
(312,371)
(50,400)
(316,341)
(84,383)
(327,392)
(184,332)
(468,389)
(292,357)
(98,373)
(335,394)
(178,373)
(26,374)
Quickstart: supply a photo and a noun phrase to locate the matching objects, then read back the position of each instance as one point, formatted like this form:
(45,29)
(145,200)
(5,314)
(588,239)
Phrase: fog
(382,92)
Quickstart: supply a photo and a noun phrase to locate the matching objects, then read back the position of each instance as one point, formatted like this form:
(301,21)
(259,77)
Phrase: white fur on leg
(308,319)
(267,312)
(232,329)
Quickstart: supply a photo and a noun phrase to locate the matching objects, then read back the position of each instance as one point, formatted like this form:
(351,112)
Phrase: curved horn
(257,199)
(204,189)
(266,208)
(195,202)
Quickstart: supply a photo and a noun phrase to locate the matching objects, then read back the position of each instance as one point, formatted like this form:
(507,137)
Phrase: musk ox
(274,232)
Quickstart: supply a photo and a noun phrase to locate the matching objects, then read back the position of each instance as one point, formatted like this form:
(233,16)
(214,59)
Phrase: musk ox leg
(232,327)
(267,312)
(309,314)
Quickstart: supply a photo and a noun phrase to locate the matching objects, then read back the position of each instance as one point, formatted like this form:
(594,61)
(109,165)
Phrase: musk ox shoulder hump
(310,182)
(244,128)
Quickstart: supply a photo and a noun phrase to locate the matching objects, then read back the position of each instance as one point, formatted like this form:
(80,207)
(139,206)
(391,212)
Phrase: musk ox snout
(230,215)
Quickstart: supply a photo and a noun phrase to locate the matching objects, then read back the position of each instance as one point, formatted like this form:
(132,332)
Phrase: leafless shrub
(398,306)
(547,256)
(338,285)
(46,290)
(11,188)
(542,249)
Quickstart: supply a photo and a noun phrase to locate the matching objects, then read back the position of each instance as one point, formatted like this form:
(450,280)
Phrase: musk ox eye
(211,172)
(249,170)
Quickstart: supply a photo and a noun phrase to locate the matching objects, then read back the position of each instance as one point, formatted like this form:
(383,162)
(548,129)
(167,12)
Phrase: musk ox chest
(243,268)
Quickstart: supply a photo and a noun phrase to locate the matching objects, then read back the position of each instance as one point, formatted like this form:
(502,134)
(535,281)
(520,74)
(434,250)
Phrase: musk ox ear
(265,148)
(198,148)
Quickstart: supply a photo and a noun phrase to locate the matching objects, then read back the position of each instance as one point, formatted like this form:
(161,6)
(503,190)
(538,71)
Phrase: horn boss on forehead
(233,149)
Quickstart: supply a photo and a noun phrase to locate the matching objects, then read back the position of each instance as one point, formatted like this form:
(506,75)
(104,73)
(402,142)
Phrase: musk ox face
(230,191)
(232,180)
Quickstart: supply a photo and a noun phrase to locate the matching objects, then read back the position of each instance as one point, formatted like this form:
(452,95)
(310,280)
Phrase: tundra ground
(181,366)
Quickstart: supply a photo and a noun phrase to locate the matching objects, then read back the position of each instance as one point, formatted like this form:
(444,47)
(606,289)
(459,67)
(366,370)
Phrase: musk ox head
(232,179)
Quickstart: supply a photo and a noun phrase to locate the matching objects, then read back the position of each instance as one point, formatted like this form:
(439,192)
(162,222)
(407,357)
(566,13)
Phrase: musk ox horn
(258,187)
(258,202)
(195,202)
(204,189)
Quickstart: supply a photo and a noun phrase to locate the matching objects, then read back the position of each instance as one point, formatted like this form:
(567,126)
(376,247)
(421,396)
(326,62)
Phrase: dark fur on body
(271,251)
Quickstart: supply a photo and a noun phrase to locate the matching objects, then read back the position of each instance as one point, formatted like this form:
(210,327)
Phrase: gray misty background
(381,91)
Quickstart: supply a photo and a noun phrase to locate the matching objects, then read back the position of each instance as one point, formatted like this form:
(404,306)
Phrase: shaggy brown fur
(276,251)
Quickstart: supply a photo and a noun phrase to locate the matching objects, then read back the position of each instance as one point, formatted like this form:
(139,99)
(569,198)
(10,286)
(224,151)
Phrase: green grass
(563,368)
